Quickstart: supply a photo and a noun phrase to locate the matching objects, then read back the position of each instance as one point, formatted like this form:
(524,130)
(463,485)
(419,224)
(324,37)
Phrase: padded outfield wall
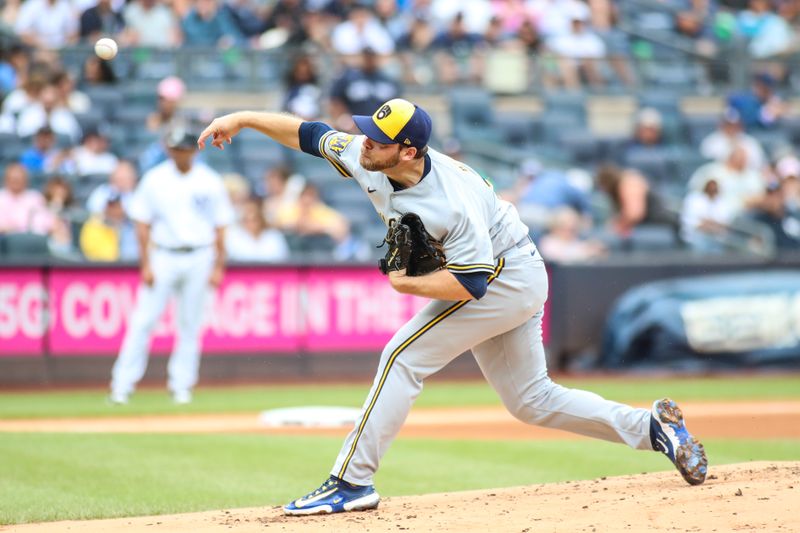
(62,324)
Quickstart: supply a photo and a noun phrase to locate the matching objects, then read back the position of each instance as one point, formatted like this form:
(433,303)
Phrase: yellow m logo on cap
(393,116)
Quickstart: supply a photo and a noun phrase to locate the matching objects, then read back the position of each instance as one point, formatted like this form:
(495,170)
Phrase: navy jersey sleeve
(476,283)
(310,134)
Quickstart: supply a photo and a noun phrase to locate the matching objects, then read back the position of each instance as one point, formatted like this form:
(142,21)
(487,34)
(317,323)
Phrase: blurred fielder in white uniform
(181,210)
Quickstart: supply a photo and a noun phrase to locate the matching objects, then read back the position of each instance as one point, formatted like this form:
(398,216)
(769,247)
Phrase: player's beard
(375,165)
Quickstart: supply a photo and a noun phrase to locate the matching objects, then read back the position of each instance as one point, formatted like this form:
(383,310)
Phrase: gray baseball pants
(504,331)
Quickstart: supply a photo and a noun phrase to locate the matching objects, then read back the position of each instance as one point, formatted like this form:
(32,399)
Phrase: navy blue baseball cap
(397,121)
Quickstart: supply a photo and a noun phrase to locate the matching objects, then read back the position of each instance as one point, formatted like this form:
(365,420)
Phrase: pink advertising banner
(69,311)
(22,312)
(253,311)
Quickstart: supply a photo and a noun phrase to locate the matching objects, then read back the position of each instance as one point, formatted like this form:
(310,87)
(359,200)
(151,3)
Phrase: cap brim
(371,130)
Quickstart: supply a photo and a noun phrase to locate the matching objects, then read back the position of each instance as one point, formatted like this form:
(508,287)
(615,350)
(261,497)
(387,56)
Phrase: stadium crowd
(675,182)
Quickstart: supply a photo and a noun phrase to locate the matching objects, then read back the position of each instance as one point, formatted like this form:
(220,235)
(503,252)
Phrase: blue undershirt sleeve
(310,133)
(476,283)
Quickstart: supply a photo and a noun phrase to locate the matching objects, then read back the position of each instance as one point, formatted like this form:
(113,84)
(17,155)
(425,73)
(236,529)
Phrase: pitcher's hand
(221,130)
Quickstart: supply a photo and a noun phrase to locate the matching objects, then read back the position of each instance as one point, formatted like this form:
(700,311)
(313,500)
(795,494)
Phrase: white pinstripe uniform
(183,211)
(480,233)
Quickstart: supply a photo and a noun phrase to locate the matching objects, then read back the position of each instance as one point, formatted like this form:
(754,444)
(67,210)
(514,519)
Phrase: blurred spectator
(59,200)
(760,107)
(632,199)
(171,91)
(460,54)
(13,68)
(645,150)
(68,96)
(303,93)
(360,91)
(788,171)
(121,182)
(552,17)
(48,111)
(647,130)
(21,209)
(495,36)
(605,18)
(207,24)
(510,14)
(456,39)
(309,216)
(752,21)
(529,36)
(238,190)
(389,17)
(151,23)
(718,144)
(102,20)
(564,244)
(336,9)
(740,187)
(48,24)
(359,32)
(540,192)
(692,19)
(774,33)
(96,72)
(474,14)
(418,37)
(411,46)
(42,156)
(25,95)
(9,13)
(109,236)
(248,15)
(705,217)
(578,50)
(290,16)
(782,221)
(251,239)
(58,196)
(280,189)
(93,156)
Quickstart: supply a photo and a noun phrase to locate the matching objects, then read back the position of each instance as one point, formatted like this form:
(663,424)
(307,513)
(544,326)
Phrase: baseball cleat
(118,398)
(669,435)
(182,397)
(334,496)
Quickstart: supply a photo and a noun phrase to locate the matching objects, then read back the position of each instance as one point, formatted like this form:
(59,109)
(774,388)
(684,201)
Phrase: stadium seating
(26,246)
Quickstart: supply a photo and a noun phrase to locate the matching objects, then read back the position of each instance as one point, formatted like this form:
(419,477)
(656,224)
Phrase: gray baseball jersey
(480,233)
(457,206)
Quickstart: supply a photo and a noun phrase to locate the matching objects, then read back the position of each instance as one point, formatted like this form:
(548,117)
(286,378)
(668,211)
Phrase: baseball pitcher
(451,239)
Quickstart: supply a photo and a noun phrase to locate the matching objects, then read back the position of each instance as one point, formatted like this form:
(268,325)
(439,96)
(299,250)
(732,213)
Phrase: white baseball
(105,48)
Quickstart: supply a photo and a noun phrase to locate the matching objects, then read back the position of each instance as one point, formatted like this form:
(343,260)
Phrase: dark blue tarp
(727,321)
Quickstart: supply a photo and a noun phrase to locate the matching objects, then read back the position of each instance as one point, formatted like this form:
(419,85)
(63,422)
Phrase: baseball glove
(411,247)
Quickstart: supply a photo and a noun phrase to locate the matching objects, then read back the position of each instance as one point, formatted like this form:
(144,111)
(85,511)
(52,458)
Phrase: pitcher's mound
(760,496)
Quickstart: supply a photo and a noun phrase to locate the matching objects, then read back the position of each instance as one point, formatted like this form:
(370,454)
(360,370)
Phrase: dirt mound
(758,496)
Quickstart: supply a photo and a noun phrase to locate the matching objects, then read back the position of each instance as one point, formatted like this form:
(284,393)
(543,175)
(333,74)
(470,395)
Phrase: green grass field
(76,476)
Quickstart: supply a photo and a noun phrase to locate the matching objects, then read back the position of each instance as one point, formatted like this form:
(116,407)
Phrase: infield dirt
(760,496)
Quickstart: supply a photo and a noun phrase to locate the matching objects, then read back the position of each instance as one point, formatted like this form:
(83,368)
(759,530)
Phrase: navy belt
(181,249)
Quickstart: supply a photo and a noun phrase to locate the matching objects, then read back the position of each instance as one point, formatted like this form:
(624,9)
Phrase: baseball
(105,48)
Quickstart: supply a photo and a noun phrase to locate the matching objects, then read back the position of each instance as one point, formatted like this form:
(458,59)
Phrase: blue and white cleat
(334,496)
(669,435)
